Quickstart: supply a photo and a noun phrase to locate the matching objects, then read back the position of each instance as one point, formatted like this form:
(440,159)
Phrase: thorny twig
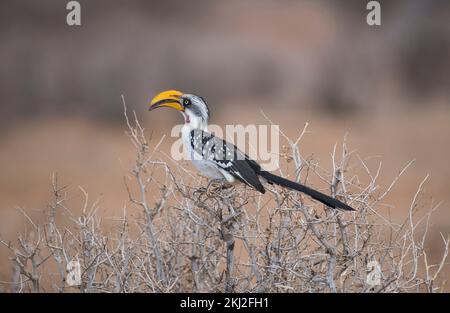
(174,236)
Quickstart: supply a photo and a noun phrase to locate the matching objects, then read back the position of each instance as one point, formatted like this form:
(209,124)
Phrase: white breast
(206,168)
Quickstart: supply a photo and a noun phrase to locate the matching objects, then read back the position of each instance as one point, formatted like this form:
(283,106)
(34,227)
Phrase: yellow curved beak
(168,98)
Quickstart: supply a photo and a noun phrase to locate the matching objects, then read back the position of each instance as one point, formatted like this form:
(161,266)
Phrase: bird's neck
(193,122)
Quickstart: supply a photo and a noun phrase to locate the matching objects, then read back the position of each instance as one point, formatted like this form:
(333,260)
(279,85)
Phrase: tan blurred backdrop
(300,61)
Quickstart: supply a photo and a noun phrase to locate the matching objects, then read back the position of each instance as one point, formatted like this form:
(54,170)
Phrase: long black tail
(327,200)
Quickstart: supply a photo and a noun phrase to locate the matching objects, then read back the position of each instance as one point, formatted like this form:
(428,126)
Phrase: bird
(220,160)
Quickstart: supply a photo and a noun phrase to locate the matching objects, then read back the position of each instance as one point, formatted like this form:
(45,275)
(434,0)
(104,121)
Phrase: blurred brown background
(300,61)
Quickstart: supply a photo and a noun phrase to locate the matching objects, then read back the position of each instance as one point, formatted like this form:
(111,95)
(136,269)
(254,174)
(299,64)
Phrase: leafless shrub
(211,239)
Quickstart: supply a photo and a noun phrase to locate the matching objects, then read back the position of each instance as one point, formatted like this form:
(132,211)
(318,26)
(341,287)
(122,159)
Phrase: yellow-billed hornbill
(220,160)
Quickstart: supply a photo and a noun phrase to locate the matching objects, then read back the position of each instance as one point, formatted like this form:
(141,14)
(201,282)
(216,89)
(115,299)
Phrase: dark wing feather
(228,157)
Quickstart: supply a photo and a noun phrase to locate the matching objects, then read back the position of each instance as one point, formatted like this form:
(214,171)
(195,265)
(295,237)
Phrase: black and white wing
(226,156)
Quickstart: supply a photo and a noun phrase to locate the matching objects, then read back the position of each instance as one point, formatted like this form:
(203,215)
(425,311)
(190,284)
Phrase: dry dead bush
(210,239)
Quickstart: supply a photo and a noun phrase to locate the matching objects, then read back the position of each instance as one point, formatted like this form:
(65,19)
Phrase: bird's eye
(186,102)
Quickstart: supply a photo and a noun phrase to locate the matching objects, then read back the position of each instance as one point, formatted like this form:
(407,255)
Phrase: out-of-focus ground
(299,61)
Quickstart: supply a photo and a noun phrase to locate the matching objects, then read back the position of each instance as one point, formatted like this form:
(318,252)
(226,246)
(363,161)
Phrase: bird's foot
(214,187)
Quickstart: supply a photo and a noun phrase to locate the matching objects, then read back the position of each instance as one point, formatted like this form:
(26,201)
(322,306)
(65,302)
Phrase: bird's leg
(214,186)
(226,185)
(210,187)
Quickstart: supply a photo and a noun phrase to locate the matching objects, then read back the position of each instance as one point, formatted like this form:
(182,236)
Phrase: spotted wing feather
(226,156)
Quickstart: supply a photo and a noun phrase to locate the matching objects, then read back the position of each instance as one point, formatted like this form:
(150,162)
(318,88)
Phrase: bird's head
(194,108)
